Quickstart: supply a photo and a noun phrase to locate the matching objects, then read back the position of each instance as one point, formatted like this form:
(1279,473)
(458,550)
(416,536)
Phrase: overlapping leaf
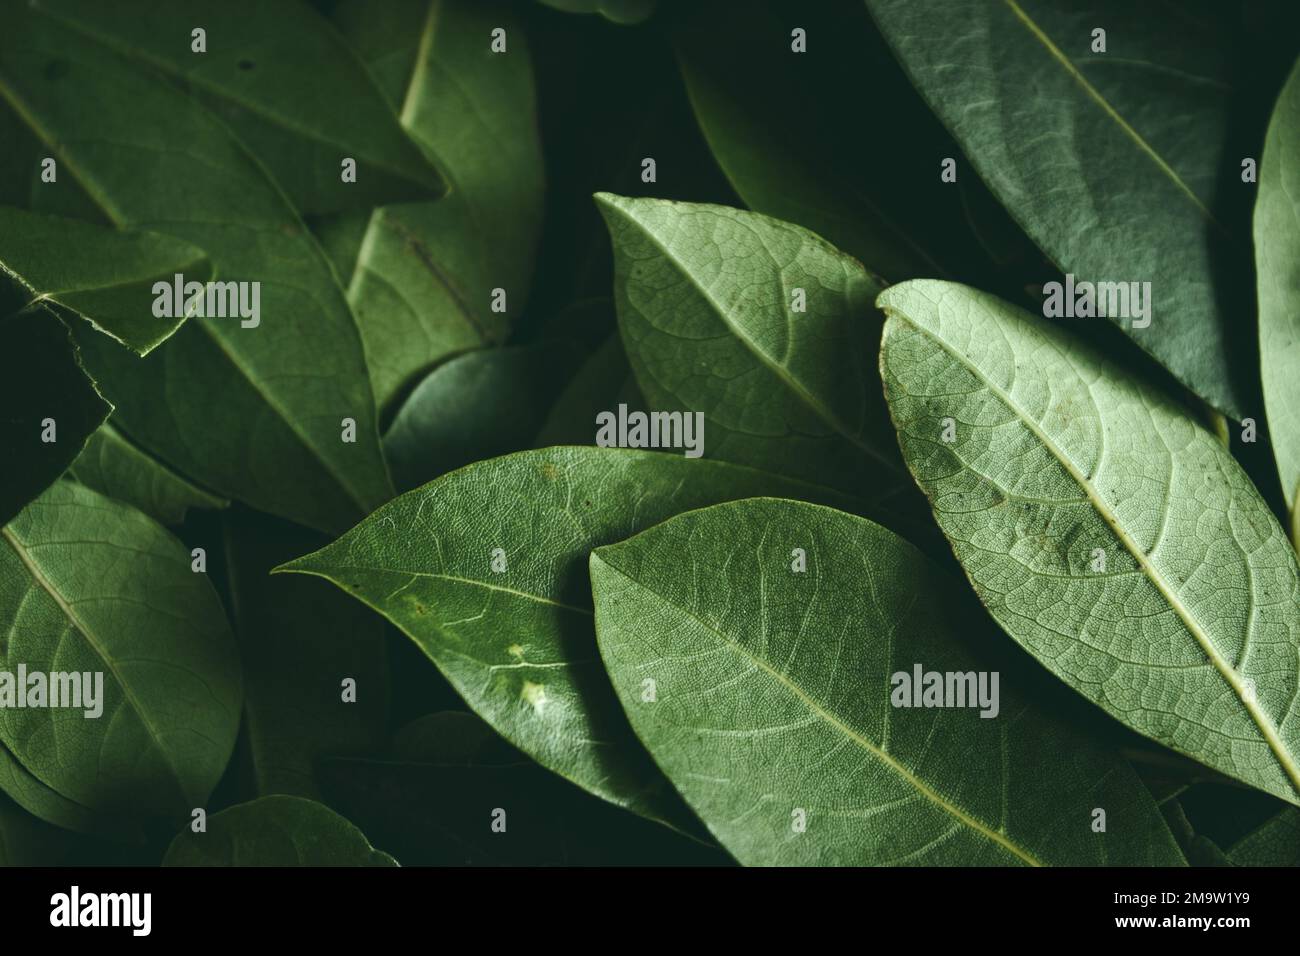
(768,696)
(113,466)
(278,830)
(1108,532)
(138,152)
(1277,265)
(426,277)
(485,569)
(1111,162)
(91,586)
(763,327)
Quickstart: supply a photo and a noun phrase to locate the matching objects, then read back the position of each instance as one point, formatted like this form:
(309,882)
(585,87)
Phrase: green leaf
(282,387)
(603,382)
(91,586)
(1277,264)
(1199,849)
(300,640)
(518,644)
(626,12)
(424,283)
(479,405)
(1106,530)
(705,297)
(828,172)
(276,831)
(765,696)
(284,81)
(1111,162)
(432,802)
(1275,843)
(27,841)
(113,466)
(101,275)
(41,380)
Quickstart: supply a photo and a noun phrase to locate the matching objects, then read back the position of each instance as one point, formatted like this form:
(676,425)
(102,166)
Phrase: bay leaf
(770,696)
(1274,843)
(761,326)
(517,643)
(101,275)
(91,586)
(1277,267)
(426,281)
(479,405)
(624,12)
(1105,529)
(285,385)
(834,176)
(1111,161)
(434,799)
(282,78)
(42,382)
(278,830)
(300,641)
(112,465)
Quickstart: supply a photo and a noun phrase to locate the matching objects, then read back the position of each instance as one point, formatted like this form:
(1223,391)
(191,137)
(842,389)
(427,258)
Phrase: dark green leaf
(768,696)
(276,831)
(92,586)
(425,279)
(284,81)
(283,387)
(604,381)
(616,11)
(300,640)
(1276,843)
(478,405)
(1111,162)
(113,466)
(41,380)
(102,275)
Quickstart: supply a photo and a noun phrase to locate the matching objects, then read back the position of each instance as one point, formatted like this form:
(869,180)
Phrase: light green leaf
(102,275)
(41,382)
(138,152)
(92,586)
(276,831)
(300,640)
(1277,265)
(424,283)
(113,466)
(281,77)
(707,309)
(1275,843)
(1111,162)
(1108,532)
(479,405)
(518,643)
(771,703)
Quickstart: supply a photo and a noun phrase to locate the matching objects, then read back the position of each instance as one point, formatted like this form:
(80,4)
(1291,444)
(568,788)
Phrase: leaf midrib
(837,724)
(1262,721)
(19,546)
(1095,95)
